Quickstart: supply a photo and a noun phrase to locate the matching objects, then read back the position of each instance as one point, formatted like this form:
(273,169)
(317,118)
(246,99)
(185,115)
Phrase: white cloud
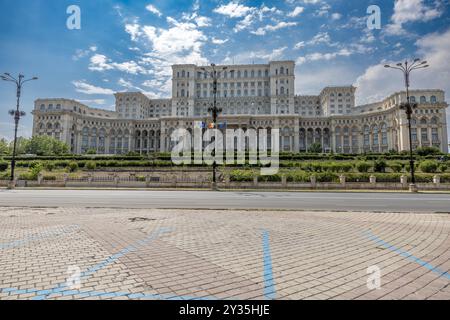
(133,29)
(336,16)
(250,57)
(299,45)
(181,42)
(233,9)
(296,11)
(203,21)
(411,11)
(84,87)
(153,10)
(93,101)
(124,83)
(377,82)
(79,53)
(100,62)
(280,25)
(321,37)
(250,14)
(316,56)
(323,10)
(219,41)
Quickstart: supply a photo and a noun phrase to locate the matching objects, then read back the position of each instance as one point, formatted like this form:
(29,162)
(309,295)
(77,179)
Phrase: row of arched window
(423,99)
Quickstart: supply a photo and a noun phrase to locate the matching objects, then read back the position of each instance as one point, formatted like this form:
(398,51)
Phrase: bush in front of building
(72,166)
(426,151)
(90,165)
(429,166)
(241,175)
(396,166)
(3,165)
(363,166)
(380,165)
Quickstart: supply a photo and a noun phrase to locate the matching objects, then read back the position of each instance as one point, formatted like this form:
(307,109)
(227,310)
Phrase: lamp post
(17,114)
(406,68)
(214,74)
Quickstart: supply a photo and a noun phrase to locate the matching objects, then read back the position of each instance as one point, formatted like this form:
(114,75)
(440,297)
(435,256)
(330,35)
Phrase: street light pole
(17,114)
(406,68)
(215,112)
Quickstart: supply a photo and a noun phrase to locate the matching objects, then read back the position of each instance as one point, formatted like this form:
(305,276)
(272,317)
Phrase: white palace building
(250,96)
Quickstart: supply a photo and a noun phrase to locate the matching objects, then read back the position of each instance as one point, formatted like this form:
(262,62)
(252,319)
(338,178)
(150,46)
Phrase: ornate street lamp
(17,114)
(406,68)
(214,74)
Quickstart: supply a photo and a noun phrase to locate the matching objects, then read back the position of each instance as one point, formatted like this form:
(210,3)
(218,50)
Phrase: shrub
(34,164)
(3,165)
(363,166)
(346,167)
(380,166)
(429,166)
(357,177)
(388,177)
(298,176)
(90,165)
(315,148)
(396,166)
(327,177)
(35,170)
(443,167)
(273,178)
(241,175)
(425,151)
(72,166)
(49,165)
(4,176)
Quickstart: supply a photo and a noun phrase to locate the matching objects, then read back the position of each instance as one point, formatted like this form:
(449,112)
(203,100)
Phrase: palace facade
(250,96)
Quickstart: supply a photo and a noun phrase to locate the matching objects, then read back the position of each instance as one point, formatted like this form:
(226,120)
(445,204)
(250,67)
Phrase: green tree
(4,147)
(315,148)
(21,145)
(46,146)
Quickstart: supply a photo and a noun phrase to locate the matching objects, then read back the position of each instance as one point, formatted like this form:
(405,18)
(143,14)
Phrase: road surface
(330,201)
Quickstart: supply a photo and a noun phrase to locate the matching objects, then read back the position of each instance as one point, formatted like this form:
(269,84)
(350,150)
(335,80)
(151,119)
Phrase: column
(296,137)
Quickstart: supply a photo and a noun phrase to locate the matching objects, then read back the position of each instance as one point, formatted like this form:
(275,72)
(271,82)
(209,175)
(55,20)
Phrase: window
(424,134)
(423,99)
(414,134)
(412,99)
(433,99)
(375,135)
(434,135)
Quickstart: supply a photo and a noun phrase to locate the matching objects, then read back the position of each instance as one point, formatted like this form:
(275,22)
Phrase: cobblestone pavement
(228,254)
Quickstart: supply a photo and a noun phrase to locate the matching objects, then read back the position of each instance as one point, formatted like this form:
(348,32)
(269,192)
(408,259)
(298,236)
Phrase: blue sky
(130,45)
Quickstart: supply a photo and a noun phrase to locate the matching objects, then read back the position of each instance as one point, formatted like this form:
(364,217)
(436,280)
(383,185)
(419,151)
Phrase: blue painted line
(105,294)
(40,236)
(152,236)
(269,286)
(407,255)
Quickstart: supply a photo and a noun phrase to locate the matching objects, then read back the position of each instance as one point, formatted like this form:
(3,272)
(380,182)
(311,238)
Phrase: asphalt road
(385,202)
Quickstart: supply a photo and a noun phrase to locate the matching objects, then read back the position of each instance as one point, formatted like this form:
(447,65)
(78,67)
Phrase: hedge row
(303,176)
